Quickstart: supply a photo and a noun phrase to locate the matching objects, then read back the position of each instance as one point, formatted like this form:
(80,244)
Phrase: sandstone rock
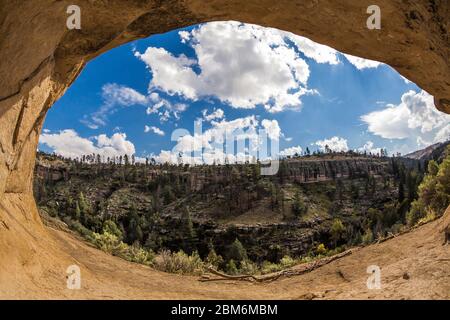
(41,58)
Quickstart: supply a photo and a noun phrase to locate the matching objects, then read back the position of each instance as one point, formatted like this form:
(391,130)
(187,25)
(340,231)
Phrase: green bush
(321,250)
(109,243)
(136,253)
(213,259)
(110,227)
(248,267)
(337,231)
(367,236)
(179,262)
(433,193)
(231,268)
(287,262)
(270,267)
(299,208)
(237,251)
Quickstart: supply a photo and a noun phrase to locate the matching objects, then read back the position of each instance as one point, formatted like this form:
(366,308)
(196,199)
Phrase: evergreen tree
(337,231)
(187,227)
(298,206)
(237,251)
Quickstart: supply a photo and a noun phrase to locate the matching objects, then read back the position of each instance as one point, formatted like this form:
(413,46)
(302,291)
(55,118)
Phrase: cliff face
(47,57)
(226,202)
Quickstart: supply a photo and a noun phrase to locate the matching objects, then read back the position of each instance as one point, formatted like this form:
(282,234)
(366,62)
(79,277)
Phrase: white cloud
(114,96)
(272,128)
(241,64)
(291,151)
(164,108)
(217,144)
(117,96)
(368,148)
(318,52)
(185,36)
(216,114)
(336,144)
(68,143)
(154,129)
(361,63)
(415,117)
(239,129)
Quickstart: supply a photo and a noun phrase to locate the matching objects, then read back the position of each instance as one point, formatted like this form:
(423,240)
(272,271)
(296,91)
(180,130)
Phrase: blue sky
(232,75)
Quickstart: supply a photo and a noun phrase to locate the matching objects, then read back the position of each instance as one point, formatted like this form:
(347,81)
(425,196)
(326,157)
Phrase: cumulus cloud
(164,108)
(415,117)
(361,63)
(241,64)
(291,151)
(216,114)
(318,52)
(272,128)
(238,129)
(231,141)
(336,144)
(368,147)
(68,143)
(154,129)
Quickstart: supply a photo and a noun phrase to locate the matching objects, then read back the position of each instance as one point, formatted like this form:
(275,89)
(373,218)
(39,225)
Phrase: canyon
(41,58)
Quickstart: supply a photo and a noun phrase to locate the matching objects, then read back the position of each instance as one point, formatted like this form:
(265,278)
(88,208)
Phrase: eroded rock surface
(40,58)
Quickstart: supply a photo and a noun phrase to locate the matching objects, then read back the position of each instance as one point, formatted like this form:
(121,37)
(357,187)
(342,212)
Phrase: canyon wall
(41,58)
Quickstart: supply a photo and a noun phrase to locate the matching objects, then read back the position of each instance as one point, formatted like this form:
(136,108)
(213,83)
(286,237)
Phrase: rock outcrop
(41,58)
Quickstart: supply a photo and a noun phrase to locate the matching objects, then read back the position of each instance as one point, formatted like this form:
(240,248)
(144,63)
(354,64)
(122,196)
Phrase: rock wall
(41,57)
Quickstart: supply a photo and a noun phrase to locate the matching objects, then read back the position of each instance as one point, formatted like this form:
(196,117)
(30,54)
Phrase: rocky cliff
(226,202)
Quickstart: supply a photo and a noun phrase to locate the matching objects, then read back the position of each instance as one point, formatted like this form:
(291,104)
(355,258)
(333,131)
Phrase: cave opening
(336,125)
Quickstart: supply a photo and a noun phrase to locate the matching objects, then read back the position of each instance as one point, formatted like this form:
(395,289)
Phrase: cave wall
(40,57)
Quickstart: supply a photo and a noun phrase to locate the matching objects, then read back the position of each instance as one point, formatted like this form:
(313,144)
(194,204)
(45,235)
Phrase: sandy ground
(33,266)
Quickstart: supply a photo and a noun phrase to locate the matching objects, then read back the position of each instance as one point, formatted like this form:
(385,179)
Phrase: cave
(42,58)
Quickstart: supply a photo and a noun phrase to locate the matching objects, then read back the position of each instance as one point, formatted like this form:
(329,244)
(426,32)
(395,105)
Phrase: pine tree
(187,227)
(337,231)
(237,251)
(298,206)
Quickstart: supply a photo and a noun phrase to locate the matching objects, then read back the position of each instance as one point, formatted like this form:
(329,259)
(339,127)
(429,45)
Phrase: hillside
(34,258)
(433,152)
(414,266)
(206,208)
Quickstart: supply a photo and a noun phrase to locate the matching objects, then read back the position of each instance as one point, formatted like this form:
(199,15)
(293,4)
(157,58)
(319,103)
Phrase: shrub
(248,267)
(110,243)
(231,268)
(367,236)
(287,262)
(321,249)
(416,212)
(213,259)
(136,253)
(298,206)
(82,230)
(110,227)
(179,262)
(237,251)
(337,230)
(270,267)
